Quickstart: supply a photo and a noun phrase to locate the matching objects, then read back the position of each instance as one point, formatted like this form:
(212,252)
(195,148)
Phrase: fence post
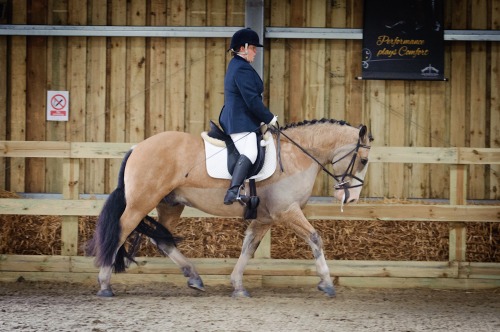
(69,226)
(458,196)
(264,248)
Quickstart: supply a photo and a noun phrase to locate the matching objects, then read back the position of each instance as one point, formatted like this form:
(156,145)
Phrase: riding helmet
(244,36)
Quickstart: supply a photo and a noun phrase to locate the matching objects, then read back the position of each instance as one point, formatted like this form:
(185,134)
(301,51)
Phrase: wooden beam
(412,212)
(262,272)
(432,283)
(35,149)
(314,211)
(263,266)
(67,207)
(378,154)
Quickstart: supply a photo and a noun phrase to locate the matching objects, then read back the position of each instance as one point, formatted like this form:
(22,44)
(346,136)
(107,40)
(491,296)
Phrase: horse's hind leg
(169,216)
(128,222)
(104,279)
(295,218)
(253,235)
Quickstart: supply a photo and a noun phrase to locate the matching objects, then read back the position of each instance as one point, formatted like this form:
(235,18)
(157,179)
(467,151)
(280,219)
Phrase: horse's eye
(364,161)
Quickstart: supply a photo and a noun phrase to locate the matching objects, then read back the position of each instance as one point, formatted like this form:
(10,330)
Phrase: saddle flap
(217,158)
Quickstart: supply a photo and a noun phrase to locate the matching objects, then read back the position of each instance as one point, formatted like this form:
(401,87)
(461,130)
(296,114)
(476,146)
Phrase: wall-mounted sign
(403,40)
(57,105)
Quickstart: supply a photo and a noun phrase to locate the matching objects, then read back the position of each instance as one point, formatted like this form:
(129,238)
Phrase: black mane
(311,122)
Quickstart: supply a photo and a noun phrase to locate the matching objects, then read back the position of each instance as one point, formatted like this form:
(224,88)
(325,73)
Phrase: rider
(243,110)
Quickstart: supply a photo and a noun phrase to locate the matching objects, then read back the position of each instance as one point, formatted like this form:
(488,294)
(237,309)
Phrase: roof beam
(217,32)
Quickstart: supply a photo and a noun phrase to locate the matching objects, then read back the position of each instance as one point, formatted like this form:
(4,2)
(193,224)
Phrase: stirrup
(242,199)
(235,195)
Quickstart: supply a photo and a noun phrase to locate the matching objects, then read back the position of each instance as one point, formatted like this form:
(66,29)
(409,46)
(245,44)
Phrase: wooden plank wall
(127,89)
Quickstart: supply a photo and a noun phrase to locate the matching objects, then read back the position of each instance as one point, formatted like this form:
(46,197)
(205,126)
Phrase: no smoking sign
(57,105)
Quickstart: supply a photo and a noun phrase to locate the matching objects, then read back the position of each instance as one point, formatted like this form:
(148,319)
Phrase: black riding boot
(239,174)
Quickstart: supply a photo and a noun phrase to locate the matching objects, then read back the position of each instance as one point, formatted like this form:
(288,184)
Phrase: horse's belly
(208,200)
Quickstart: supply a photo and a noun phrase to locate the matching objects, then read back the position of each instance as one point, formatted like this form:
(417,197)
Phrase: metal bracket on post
(254,19)
(3,11)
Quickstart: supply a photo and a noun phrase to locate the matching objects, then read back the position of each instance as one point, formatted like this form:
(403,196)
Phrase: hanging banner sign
(403,40)
(57,105)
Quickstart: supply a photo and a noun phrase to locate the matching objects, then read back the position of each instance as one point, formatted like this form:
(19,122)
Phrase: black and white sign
(403,40)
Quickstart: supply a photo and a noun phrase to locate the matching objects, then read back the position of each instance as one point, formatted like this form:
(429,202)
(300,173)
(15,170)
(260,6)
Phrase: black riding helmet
(242,37)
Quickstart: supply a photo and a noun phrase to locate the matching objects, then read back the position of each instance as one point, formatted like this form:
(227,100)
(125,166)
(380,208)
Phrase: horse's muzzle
(344,195)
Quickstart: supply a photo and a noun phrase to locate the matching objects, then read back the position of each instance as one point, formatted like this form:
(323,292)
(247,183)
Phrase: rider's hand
(274,121)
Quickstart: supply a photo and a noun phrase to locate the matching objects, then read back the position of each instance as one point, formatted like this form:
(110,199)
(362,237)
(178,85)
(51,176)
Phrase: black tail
(106,237)
(107,234)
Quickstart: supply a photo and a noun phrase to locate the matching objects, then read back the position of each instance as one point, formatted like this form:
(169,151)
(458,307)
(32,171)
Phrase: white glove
(274,121)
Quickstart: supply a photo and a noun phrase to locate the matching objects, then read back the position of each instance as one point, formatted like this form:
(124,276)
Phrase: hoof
(196,283)
(327,289)
(240,294)
(105,293)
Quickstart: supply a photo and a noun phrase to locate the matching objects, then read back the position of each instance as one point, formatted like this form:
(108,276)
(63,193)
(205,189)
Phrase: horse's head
(350,163)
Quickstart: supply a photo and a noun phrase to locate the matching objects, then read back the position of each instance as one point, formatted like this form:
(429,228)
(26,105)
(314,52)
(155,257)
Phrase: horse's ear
(362,131)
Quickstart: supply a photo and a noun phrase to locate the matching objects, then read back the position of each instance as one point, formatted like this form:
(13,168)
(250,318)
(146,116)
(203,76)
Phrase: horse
(166,171)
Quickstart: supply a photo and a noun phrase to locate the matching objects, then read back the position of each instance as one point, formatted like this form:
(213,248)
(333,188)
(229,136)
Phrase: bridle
(343,179)
(342,183)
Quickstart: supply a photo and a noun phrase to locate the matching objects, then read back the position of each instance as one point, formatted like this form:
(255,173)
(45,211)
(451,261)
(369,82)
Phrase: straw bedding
(222,238)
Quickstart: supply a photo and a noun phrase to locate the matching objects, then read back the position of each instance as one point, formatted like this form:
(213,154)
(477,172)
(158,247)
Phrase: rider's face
(251,52)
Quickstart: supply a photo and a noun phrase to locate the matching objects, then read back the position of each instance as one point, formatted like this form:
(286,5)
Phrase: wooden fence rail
(455,273)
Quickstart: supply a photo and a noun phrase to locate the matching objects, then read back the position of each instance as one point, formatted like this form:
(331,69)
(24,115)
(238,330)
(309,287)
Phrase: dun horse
(167,172)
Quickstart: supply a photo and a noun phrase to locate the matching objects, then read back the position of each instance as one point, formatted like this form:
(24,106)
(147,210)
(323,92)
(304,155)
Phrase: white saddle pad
(216,158)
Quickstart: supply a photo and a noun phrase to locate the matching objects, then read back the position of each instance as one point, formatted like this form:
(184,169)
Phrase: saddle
(221,155)
(232,152)
(220,164)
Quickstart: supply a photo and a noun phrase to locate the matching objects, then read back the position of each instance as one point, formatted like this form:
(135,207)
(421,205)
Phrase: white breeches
(246,143)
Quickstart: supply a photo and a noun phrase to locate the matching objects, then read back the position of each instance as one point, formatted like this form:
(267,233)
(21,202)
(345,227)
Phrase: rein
(341,182)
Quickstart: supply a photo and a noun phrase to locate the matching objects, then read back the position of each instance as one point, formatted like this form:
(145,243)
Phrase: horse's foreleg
(169,217)
(326,283)
(295,218)
(253,235)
